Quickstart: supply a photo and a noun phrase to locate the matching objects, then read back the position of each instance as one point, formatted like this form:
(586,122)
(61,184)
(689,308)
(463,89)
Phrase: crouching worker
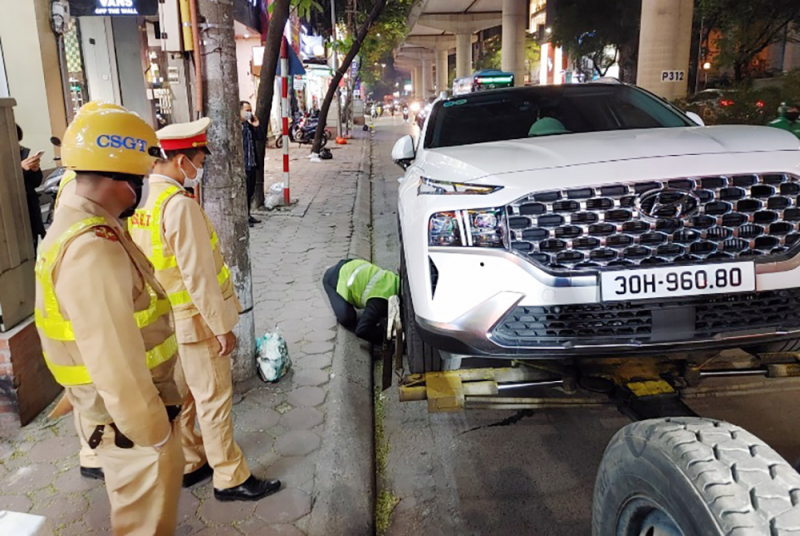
(357,284)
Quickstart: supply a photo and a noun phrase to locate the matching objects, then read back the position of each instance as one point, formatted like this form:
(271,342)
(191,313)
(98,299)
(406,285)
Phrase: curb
(344,483)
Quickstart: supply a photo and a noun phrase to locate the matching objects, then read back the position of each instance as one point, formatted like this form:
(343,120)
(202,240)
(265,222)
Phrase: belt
(120,439)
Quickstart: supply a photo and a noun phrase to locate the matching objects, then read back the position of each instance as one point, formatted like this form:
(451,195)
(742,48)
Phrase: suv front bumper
(573,321)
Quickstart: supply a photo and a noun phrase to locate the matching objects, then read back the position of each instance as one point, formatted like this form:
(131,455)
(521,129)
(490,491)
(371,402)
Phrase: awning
(295,65)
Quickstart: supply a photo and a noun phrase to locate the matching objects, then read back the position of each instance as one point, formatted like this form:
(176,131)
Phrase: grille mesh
(725,218)
(637,322)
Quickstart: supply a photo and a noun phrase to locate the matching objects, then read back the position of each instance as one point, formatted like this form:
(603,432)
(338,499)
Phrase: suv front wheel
(422,357)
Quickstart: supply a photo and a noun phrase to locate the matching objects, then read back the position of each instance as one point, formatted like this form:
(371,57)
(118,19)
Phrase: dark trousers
(250,182)
(366,327)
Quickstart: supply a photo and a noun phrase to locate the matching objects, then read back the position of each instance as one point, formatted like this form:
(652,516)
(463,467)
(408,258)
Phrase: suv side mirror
(403,152)
(696,118)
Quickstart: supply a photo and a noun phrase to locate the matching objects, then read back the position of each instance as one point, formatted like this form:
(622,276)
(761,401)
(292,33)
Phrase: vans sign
(112,8)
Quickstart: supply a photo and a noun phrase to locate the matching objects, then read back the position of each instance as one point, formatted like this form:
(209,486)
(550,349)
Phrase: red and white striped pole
(285,117)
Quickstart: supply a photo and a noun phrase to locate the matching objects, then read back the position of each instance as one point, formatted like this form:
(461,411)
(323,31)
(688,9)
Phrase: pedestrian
(358,284)
(251,133)
(32,176)
(176,235)
(105,323)
(788,119)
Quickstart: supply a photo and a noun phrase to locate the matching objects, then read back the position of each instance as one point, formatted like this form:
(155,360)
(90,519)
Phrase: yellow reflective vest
(53,327)
(146,227)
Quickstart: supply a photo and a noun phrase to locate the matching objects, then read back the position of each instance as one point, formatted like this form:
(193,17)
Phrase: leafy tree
(747,28)
(588,28)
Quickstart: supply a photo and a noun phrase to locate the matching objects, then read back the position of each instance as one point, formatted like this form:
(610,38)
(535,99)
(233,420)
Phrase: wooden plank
(17,295)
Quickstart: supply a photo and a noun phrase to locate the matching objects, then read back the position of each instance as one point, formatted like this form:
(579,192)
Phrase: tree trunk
(266,85)
(738,71)
(224,192)
(326,105)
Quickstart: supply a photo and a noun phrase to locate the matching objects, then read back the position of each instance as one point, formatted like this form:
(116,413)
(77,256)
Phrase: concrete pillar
(441,70)
(418,82)
(427,78)
(513,42)
(463,54)
(664,43)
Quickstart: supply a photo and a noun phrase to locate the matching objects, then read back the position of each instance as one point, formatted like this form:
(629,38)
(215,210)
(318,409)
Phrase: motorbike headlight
(433,187)
(483,227)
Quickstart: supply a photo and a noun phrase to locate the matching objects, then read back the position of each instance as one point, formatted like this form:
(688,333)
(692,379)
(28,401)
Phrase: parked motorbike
(303,129)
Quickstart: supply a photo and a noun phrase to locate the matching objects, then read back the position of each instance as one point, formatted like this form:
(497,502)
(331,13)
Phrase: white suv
(596,219)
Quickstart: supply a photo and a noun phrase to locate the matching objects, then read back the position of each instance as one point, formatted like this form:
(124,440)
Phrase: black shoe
(95,473)
(251,489)
(252,221)
(198,475)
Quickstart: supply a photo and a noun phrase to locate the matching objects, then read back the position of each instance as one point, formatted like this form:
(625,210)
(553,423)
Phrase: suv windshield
(546,111)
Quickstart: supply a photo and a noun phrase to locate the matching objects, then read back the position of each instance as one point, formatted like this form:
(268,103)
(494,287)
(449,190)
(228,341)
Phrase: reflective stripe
(73,375)
(352,278)
(372,282)
(60,329)
(182,297)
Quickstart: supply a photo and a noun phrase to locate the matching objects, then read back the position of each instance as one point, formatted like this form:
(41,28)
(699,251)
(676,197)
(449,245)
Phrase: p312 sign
(673,76)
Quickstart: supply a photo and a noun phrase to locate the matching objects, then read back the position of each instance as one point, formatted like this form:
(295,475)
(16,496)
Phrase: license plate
(676,281)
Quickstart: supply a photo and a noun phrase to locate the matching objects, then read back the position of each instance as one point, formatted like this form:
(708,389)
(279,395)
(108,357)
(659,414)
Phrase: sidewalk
(284,429)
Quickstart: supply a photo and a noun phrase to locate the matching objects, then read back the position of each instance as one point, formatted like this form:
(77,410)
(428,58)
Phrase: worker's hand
(32,163)
(227,343)
(254,121)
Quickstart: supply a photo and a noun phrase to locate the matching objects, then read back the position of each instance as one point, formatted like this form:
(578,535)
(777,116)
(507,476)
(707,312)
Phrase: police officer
(358,284)
(175,233)
(105,322)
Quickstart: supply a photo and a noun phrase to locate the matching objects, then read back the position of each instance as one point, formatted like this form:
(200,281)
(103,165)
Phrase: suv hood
(473,162)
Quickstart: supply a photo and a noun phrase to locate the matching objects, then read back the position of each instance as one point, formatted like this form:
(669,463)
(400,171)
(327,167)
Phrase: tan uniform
(87,456)
(109,341)
(191,269)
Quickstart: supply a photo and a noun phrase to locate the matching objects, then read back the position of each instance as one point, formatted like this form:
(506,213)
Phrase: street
(513,472)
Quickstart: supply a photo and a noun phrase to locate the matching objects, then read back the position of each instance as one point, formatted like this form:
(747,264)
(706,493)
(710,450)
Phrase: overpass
(437,27)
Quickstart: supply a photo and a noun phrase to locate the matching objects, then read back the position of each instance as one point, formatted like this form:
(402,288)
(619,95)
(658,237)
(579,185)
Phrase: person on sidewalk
(178,238)
(32,176)
(251,133)
(357,284)
(788,119)
(105,323)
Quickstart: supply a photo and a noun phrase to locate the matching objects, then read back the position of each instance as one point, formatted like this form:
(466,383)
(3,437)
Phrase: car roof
(534,90)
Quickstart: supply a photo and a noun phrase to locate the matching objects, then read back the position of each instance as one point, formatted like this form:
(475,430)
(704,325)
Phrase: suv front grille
(690,220)
(698,319)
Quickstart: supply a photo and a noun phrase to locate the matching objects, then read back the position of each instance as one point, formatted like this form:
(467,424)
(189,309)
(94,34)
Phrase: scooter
(303,129)
(405,115)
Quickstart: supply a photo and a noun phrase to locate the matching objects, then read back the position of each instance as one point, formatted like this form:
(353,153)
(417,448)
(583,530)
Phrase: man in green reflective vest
(357,284)
(788,120)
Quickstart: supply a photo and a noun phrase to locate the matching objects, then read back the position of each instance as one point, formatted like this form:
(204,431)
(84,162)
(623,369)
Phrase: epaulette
(104,231)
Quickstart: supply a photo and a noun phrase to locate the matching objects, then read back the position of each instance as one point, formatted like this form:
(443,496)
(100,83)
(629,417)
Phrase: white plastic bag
(275,196)
(272,356)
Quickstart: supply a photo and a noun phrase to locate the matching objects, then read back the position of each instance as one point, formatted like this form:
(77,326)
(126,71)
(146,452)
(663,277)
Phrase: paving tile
(321,336)
(218,531)
(293,471)
(297,443)
(254,444)
(310,377)
(302,418)
(266,396)
(189,527)
(322,323)
(63,509)
(317,347)
(16,503)
(72,481)
(306,396)
(224,513)
(30,478)
(256,420)
(256,527)
(76,529)
(187,506)
(98,516)
(317,361)
(285,506)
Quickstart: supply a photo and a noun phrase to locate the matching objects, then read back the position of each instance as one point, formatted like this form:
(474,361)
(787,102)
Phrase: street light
(707,65)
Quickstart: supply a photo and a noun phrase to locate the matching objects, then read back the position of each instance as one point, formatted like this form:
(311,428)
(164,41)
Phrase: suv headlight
(433,187)
(481,227)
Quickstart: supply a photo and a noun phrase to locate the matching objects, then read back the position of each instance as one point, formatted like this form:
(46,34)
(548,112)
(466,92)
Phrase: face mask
(792,116)
(248,116)
(198,177)
(141,189)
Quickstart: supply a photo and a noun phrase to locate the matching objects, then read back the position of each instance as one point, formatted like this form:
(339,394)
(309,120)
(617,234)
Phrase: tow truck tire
(422,357)
(693,476)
